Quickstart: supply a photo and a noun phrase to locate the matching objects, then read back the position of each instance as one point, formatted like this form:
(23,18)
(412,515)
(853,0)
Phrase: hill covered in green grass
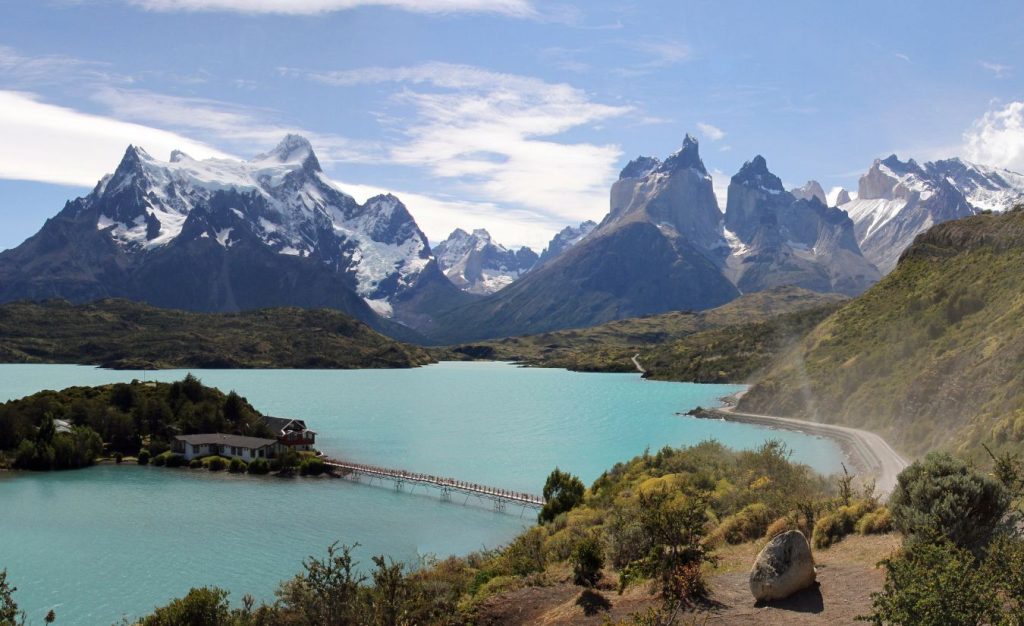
(932,356)
(725,344)
(127,335)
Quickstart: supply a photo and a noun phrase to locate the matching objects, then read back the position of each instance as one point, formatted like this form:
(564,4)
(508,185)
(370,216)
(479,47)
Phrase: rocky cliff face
(225,235)
(660,248)
(777,239)
(676,195)
(475,263)
(898,200)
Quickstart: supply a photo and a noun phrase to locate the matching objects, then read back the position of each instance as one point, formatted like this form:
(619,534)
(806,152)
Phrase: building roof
(278,425)
(239,441)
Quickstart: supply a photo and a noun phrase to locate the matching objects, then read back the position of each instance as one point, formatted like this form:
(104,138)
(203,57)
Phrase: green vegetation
(930,357)
(122,418)
(562,492)
(726,344)
(941,497)
(10,614)
(654,519)
(127,335)
(962,557)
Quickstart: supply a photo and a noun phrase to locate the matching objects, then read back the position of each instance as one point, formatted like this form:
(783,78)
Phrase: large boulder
(783,567)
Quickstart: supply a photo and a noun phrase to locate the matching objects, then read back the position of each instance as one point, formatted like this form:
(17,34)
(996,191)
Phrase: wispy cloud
(53,144)
(511,8)
(997,137)
(242,129)
(495,135)
(653,56)
(710,132)
(664,53)
(902,57)
(996,69)
(22,70)
(567,59)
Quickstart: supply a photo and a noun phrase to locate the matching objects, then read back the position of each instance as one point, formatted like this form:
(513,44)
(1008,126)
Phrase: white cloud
(996,69)
(997,138)
(47,143)
(710,132)
(53,144)
(494,134)
(720,184)
(243,129)
(512,8)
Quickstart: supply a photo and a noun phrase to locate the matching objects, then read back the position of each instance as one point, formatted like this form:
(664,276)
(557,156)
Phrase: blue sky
(514,115)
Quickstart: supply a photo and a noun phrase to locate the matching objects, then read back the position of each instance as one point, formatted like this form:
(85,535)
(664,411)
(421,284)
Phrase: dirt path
(636,362)
(847,576)
(868,452)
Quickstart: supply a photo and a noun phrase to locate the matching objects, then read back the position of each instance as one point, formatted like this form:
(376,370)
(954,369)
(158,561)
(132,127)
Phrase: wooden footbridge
(500,498)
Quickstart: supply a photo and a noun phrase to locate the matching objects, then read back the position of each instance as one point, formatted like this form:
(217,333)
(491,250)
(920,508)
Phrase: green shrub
(750,523)
(206,606)
(175,460)
(587,561)
(195,463)
(160,460)
(935,585)
(831,528)
(259,467)
(118,457)
(311,466)
(215,463)
(941,498)
(876,522)
(562,492)
(236,466)
(143,457)
(781,525)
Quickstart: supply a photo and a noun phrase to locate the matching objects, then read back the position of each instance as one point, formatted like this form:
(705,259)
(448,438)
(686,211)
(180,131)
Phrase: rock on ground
(782,568)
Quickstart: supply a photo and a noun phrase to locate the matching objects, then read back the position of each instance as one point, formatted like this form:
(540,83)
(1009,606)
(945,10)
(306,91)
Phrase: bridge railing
(439,481)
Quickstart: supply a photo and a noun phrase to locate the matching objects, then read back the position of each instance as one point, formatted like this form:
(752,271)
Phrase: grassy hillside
(932,356)
(725,344)
(122,334)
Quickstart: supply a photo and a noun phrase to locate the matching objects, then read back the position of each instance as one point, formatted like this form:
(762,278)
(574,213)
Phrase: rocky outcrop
(842,197)
(660,248)
(676,194)
(777,239)
(782,568)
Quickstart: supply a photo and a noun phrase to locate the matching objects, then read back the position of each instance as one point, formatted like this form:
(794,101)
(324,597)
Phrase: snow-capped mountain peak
(899,199)
(477,264)
(281,197)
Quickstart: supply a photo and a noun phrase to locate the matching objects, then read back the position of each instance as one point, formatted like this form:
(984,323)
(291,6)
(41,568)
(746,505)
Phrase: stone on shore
(782,568)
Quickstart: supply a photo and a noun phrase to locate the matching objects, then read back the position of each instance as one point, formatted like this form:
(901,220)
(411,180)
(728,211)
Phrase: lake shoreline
(865,451)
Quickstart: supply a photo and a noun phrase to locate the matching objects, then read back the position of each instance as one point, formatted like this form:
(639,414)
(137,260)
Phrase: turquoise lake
(113,541)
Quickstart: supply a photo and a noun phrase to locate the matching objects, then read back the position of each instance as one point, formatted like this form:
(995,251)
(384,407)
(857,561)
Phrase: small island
(166,424)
